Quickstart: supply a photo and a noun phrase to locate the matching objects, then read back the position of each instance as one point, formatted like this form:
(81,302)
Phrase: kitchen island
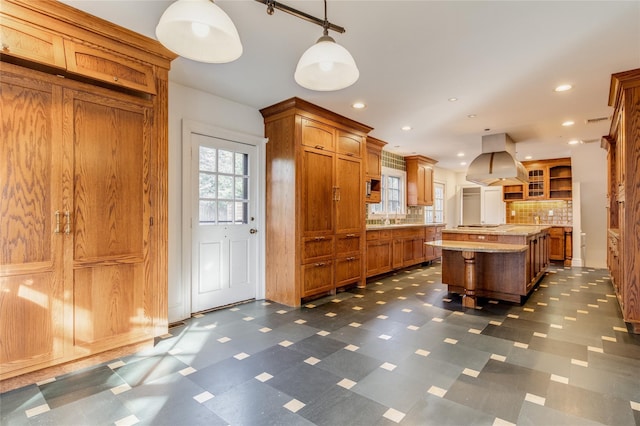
(502,262)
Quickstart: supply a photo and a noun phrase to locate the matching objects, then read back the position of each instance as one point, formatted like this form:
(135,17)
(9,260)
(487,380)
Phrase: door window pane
(223,186)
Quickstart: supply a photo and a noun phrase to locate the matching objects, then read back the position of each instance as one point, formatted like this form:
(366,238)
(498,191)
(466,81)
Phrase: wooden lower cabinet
(317,277)
(560,244)
(395,248)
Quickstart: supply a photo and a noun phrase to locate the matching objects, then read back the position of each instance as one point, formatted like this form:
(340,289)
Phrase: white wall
(187,103)
(589,170)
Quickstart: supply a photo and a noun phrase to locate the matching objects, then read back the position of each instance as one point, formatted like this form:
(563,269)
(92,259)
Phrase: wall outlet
(513,213)
(550,212)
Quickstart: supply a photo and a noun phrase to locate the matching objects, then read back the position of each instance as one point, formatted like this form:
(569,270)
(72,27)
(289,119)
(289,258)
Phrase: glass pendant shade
(199,30)
(326,66)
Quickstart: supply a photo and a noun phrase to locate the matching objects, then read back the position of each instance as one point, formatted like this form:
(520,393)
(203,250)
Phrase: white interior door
(224,247)
(493,208)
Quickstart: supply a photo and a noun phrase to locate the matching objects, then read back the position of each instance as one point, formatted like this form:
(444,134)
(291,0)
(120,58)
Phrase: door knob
(253,230)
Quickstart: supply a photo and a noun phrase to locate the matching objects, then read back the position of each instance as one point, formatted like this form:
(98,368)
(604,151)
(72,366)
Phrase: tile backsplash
(549,212)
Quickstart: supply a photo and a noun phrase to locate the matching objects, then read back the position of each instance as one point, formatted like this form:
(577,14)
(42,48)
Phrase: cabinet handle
(351,235)
(337,193)
(350,154)
(319,265)
(5,47)
(115,78)
(350,259)
(319,147)
(67,222)
(56,230)
(318,239)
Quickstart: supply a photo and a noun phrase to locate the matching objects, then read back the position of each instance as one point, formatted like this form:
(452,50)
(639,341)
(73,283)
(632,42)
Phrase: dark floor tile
(254,403)
(489,397)
(349,365)
(536,415)
(77,386)
(377,385)
(508,333)
(432,410)
(169,401)
(514,376)
(304,382)
(557,347)
(318,346)
(590,405)
(339,406)
(149,369)
(13,404)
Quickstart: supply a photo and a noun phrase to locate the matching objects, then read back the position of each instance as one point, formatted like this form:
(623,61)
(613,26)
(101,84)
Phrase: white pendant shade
(326,66)
(199,30)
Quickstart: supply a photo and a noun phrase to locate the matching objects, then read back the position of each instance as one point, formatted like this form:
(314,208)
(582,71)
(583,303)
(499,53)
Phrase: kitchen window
(392,202)
(435,213)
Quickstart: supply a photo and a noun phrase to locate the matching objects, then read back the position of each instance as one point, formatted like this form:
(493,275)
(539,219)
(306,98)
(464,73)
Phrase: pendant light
(199,30)
(326,65)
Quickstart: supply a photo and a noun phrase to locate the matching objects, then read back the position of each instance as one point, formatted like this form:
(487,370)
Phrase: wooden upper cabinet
(109,67)
(317,135)
(31,43)
(349,195)
(318,192)
(419,180)
(374,158)
(350,144)
(548,180)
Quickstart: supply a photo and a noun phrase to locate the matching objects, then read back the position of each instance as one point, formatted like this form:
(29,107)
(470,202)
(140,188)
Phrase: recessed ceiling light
(563,88)
(406,128)
(464,163)
(358,105)
(453,99)
(461,154)
(528,157)
(568,123)
(396,146)
(471,116)
(574,142)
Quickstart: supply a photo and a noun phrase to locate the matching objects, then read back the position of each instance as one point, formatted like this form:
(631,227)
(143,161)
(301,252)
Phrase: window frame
(384,198)
(430,213)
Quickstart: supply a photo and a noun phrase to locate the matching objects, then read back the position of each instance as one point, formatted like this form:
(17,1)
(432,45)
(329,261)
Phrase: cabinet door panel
(317,278)
(317,135)
(348,270)
(350,202)
(31,43)
(349,144)
(110,217)
(31,280)
(317,192)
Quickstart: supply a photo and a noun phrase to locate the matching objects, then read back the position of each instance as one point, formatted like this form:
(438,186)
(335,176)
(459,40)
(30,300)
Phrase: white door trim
(189,127)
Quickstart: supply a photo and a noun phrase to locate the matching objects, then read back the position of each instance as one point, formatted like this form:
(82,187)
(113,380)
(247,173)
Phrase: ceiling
(500,59)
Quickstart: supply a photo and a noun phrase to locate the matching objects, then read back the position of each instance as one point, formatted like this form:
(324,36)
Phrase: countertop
(478,246)
(525,230)
(402,225)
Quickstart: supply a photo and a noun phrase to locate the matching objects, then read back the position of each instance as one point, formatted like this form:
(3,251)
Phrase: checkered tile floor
(402,351)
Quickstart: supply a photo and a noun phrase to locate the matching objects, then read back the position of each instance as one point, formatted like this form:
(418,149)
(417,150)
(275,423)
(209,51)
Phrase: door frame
(189,127)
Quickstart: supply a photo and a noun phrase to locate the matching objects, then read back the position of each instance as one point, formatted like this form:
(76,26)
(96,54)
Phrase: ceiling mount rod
(295,12)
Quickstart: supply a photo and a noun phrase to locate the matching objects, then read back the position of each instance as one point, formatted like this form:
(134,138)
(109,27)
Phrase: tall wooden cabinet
(315,236)
(83,178)
(623,154)
(419,180)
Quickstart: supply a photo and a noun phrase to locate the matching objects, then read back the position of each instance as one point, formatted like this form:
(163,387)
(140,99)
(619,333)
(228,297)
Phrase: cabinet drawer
(31,43)
(314,248)
(350,144)
(347,243)
(348,270)
(317,278)
(373,235)
(109,67)
(317,135)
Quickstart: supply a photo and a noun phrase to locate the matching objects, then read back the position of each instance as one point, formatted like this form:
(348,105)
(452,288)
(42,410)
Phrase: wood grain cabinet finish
(83,217)
(548,180)
(397,248)
(419,180)
(373,173)
(315,237)
(623,156)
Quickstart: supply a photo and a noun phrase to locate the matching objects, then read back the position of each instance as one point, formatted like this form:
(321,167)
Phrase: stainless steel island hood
(497,165)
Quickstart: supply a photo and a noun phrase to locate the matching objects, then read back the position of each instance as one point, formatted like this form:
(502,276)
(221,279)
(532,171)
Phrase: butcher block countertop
(484,247)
